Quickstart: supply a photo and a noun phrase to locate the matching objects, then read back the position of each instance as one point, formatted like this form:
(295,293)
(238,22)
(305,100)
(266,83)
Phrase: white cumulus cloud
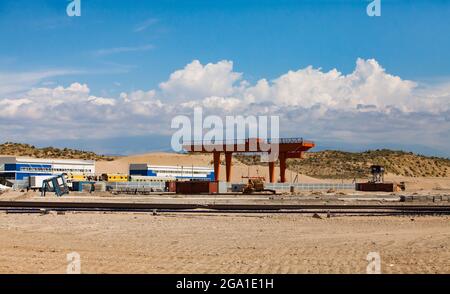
(367,105)
(197,81)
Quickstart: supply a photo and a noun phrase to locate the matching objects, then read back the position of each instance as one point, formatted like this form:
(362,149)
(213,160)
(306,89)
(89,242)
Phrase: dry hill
(323,164)
(346,165)
(18,149)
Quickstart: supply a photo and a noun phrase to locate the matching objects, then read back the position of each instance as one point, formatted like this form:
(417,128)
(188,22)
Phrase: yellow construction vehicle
(256,184)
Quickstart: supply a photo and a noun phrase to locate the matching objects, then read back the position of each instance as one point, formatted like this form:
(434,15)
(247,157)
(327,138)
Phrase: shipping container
(78,186)
(197,187)
(171,186)
(115,178)
(37,181)
(76,177)
(377,187)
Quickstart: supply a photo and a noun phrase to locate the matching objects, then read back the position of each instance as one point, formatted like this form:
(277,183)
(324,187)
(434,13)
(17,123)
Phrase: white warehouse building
(21,168)
(158,172)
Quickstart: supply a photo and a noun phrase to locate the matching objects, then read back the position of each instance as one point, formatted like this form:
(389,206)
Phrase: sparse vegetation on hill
(18,149)
(322,164)
(347,165)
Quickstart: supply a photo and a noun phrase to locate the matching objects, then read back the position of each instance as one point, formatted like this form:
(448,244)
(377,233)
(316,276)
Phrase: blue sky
(120,46)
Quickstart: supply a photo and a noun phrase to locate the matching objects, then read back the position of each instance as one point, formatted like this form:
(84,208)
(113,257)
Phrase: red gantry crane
(287,148)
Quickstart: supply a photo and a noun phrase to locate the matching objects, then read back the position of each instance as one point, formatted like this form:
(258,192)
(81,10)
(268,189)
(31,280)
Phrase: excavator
(256,184)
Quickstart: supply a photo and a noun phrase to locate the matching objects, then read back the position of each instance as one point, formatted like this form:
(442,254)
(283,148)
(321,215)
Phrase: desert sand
(196,243)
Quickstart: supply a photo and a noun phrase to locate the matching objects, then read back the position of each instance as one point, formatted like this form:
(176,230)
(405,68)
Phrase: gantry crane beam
(284,149)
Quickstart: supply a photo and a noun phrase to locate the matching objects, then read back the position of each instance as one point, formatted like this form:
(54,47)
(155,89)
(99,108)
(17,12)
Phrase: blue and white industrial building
(157,172)
(21,168)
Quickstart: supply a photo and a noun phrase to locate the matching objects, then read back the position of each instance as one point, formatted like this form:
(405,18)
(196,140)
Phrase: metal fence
(147,187)
(286,187)
(136,187)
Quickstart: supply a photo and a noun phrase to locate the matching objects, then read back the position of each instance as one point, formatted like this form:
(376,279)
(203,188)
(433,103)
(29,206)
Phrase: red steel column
(272,171)
(216,166)
(283,167)
(228,157)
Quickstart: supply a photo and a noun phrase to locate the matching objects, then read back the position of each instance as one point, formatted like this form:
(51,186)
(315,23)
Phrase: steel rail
(17,206)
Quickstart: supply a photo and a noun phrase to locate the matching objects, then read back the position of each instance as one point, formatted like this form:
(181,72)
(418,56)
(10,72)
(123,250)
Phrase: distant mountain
(19,149)
(347,165)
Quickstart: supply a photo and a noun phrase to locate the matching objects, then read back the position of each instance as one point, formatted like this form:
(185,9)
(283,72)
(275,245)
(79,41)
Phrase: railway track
(373,209)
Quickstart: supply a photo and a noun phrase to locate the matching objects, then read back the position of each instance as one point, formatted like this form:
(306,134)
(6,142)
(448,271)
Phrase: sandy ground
(419,184)
(196,243)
